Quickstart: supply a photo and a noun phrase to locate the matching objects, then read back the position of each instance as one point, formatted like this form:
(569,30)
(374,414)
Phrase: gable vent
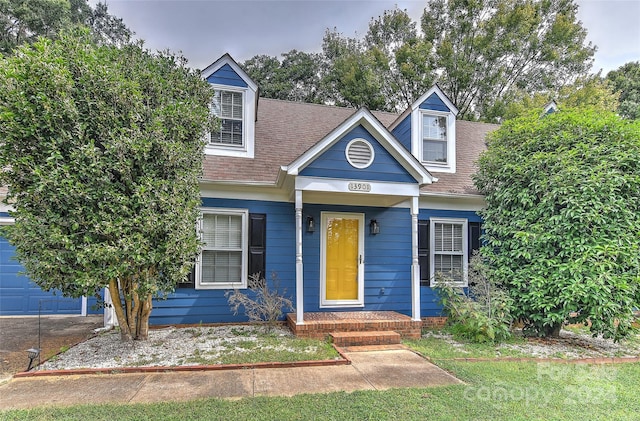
(359,153)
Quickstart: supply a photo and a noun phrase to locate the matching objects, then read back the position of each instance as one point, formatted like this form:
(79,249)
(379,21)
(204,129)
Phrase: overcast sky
(206,29)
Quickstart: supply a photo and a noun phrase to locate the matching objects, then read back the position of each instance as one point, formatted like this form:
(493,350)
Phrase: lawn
(493,390)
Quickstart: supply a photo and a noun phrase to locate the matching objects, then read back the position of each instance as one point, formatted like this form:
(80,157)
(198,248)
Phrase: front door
(342,266)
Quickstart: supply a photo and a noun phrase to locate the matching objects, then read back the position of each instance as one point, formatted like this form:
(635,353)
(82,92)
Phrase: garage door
(19,296)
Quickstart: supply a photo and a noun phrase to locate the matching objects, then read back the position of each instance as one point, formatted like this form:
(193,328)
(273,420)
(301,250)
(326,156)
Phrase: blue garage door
(19,296)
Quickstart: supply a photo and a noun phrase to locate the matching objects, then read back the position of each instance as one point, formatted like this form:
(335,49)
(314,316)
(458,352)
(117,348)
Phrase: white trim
(379,132)
(83,306)
(244,213)
(417,139)
(359,302)
(371,150)
(435,89)
(465,249)
(248,126)
(452,202)
(244,192)
(339,185)
(415,261)
(299,263)
(551,106)
(227,59)
(7,220)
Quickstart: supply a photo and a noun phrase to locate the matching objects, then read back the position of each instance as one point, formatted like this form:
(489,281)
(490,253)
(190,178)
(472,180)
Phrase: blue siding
(188,305)
(227,76)
(434,103)
(429,305)
(387,276)
(20,296)
(402,132)
(387,273)
(333,162)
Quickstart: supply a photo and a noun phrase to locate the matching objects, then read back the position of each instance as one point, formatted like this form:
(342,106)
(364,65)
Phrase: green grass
(437,348)
(493,391)
(268,347)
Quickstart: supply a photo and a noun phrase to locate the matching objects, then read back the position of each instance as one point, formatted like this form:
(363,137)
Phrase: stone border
(589,360)
(162,369)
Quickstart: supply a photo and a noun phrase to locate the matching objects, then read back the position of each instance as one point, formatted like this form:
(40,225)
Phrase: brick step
(365,338)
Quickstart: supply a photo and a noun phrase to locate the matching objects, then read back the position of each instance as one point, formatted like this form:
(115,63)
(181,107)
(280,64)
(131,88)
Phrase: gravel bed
(570,345)
(165,347)
(182,346)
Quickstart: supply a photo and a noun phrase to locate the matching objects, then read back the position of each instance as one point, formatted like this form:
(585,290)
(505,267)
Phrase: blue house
(352,210)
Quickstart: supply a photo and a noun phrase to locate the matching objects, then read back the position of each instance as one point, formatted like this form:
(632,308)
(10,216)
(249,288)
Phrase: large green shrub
(101,150)
(562,218)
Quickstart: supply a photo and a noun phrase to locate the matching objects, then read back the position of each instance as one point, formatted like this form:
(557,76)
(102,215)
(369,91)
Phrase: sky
(203,30)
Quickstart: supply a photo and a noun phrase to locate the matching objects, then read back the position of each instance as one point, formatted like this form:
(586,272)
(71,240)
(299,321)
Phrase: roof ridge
(337,107)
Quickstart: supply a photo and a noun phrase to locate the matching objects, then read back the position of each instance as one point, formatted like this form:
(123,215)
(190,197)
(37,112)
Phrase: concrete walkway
(370,369)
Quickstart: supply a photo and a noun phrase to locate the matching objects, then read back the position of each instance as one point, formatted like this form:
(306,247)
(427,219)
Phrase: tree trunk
(143,319)
(132,312)
(553,331)
(114,291)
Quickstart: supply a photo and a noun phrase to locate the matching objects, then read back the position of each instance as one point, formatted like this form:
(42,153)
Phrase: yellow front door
(343,258)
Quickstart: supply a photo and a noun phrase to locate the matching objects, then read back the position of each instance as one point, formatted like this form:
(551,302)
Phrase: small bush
(482,315)
(261,303)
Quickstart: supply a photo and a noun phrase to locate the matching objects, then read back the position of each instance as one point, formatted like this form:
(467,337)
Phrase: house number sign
(354,186)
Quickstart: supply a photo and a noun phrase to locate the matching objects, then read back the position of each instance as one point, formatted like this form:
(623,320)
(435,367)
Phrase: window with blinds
(449,250)
(224,252)
(228,107)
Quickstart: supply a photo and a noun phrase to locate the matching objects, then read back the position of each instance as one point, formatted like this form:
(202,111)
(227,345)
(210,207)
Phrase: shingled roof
(284,130)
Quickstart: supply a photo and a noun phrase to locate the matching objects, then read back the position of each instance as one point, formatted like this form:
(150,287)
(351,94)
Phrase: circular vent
(359,153)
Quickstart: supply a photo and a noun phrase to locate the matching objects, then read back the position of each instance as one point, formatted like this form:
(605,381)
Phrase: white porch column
(415,262)
(299,272)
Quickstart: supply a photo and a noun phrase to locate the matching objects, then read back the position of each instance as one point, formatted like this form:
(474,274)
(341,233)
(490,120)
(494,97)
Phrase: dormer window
(235,104)
(428,128)
(434,138)
(228,107)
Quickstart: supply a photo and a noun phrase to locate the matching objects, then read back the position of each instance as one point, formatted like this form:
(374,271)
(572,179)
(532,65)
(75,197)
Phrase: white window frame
(423,137)
(417,136)
(216,143)
(247,150)
(244,213)
(465,249)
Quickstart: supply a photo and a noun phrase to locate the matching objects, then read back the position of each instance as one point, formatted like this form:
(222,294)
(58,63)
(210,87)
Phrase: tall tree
(296,78)
(350,76)
(586,92)
(101,149)
(387,70)
(562,218)
(400,58)
(23,21)
(105,28)
(626,81)
(482,53)
(486,48)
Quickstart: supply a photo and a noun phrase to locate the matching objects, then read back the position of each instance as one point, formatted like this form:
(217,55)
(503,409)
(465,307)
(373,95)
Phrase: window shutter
(423,251)
(190,280)
(474,237)
(257,243)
